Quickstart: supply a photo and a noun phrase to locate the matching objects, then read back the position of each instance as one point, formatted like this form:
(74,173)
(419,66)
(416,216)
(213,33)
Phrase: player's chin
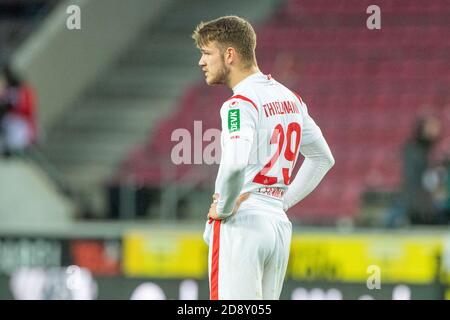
(211,81)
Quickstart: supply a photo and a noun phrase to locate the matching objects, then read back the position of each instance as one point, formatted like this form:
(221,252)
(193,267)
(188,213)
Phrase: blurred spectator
(417,203)
(434,181)
(444,195)
(18,128)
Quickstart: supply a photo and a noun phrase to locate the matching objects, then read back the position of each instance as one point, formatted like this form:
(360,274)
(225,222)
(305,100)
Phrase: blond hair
(228,31)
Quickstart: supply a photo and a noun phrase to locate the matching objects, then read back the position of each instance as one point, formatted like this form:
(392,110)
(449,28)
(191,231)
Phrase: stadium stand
(363,90)
(18,18)
(98,95)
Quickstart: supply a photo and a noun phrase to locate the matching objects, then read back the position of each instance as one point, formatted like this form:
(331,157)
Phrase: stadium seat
(364,93)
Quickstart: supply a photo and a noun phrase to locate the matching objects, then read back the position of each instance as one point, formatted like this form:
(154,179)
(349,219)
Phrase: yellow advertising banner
(354,258)
(331,257)
(165,254)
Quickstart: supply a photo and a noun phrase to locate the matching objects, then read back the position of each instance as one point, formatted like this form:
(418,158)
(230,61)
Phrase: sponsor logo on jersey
(234,120)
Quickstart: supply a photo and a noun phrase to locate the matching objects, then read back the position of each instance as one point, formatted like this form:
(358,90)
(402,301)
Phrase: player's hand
(212,214)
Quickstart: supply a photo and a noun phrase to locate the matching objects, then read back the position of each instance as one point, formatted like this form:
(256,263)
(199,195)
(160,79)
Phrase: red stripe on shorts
(215,262)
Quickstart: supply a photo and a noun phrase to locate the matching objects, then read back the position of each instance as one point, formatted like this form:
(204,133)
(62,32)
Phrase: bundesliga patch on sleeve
(234,120)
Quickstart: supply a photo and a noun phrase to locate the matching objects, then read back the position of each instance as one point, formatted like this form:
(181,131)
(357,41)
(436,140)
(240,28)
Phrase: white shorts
(249,252)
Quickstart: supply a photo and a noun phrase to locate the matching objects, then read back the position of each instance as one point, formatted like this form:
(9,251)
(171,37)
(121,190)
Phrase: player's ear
(230,55)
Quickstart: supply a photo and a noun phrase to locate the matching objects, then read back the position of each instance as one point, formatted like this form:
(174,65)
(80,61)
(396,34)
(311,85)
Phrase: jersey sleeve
(311,130)
(239,120)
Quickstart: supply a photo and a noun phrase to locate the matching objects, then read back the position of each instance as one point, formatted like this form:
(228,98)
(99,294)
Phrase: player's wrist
(221,214)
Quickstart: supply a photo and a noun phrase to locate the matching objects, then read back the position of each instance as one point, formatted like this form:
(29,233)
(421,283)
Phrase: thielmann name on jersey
(283,107)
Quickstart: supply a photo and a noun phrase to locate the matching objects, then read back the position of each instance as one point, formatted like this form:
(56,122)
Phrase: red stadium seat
(363,92)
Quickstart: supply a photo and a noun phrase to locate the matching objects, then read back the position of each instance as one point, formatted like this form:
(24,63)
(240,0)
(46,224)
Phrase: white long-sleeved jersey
(264,126)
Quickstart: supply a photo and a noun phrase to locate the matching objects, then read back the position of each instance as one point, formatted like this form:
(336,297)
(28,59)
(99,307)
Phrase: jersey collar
(248,79)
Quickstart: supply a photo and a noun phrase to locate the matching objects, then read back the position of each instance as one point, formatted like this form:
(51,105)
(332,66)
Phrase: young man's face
(213,64)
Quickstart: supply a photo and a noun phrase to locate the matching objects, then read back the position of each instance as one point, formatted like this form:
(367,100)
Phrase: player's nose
(201,62)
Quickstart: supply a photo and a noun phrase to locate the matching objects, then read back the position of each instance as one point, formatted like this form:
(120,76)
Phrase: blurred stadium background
(96,209)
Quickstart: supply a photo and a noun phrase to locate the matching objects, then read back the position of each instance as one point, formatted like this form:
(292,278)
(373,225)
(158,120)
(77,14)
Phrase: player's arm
(318,161)
(238,124)
(232,178)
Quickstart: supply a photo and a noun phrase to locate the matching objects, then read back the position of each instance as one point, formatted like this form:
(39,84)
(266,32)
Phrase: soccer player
(264,127)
